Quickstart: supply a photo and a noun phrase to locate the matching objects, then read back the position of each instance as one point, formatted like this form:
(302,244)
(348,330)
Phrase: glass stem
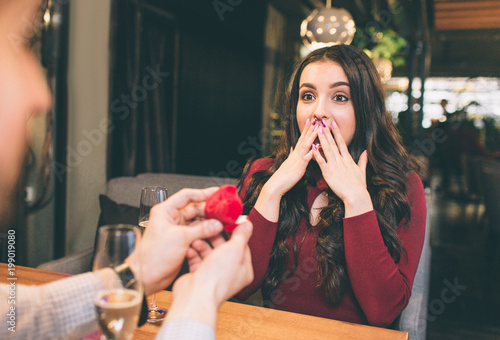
(152,304)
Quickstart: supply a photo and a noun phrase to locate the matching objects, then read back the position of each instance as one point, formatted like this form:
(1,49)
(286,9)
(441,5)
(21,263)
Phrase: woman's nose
(321,109)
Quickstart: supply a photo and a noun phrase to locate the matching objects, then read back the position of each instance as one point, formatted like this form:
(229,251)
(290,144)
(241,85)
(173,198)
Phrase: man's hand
(216,275)
(173,226)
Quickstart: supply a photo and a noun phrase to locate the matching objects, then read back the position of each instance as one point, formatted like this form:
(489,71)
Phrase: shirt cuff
(366,217)
(257,219)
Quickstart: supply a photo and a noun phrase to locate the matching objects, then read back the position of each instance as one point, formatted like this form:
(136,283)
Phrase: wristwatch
(127,278)
(125,274)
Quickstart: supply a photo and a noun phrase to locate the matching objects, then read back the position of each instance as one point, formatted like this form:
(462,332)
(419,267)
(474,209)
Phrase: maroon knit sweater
(380,288)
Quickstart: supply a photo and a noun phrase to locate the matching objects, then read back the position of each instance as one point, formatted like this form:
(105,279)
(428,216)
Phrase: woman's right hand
(288,174)
(294,167)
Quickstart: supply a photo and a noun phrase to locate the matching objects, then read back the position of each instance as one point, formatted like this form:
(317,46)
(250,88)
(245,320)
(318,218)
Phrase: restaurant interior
(199,87)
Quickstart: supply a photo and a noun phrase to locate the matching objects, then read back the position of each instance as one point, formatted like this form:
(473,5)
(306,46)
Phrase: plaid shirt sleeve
(63,309)
(186,329)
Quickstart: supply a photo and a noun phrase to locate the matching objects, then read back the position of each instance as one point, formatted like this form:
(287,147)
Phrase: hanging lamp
(327,26)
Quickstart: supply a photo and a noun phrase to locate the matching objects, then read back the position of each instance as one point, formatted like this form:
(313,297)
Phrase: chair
(72,264)
(470,173)
(472,166)
(413,319)
(490,184)
(490,175)
(127,190)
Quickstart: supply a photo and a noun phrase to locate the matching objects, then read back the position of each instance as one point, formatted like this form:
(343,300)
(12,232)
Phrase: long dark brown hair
(389,164)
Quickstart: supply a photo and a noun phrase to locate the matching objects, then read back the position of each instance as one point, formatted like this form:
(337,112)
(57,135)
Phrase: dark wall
(220,89)
(216,85)
(465,53)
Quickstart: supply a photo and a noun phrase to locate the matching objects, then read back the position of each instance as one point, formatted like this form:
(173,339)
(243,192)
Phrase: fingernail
(321,129)
(316,127)
(214,225)
(315,120)
(315,147)
(307,122)
(323,122)
(334,125)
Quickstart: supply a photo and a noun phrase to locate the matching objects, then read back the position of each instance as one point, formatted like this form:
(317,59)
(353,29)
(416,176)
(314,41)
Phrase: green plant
(385,43)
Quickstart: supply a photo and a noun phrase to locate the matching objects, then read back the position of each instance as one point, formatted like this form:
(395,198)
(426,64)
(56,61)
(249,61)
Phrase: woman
(338,212)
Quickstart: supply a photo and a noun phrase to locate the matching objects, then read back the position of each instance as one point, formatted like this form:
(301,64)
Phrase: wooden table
(240,321)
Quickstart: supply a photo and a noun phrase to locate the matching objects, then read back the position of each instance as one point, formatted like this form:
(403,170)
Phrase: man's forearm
(63,309)
(193,300)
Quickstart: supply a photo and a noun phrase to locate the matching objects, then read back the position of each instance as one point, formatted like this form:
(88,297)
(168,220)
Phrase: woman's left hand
(346,178)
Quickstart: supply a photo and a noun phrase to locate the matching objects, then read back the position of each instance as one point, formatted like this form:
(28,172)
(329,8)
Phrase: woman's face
(324,93)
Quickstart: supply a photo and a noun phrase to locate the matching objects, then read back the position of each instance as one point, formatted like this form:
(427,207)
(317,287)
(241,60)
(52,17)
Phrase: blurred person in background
(462,141)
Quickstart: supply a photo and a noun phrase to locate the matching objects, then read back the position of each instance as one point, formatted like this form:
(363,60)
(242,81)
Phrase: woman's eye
(340,98)
(307,96)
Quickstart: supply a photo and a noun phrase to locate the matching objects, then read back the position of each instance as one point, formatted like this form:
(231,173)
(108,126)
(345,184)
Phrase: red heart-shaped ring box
(224,205)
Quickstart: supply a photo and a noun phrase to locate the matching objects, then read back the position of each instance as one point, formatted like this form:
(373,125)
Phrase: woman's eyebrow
(339,83)
(307,85)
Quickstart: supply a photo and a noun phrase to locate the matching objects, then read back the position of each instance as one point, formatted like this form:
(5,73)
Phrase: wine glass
(118,306)
(149,197)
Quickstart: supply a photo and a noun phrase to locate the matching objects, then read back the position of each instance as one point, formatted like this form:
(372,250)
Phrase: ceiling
(464,35)
(465,38)
(466,14)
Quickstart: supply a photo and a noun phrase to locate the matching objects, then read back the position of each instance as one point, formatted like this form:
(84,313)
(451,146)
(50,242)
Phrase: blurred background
(198,87)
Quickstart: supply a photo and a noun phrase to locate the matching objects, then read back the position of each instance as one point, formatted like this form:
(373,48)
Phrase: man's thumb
(243,232)
(205,229)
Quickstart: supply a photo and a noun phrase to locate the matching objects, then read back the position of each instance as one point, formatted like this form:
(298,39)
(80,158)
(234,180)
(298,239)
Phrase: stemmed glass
(118,306)
(149,197)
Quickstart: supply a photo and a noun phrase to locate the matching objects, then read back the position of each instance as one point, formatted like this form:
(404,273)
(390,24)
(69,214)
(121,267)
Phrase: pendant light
(327,26)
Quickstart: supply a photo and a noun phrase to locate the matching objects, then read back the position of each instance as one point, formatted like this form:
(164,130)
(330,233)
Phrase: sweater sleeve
(262,239)
(381,286)
(261,245)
